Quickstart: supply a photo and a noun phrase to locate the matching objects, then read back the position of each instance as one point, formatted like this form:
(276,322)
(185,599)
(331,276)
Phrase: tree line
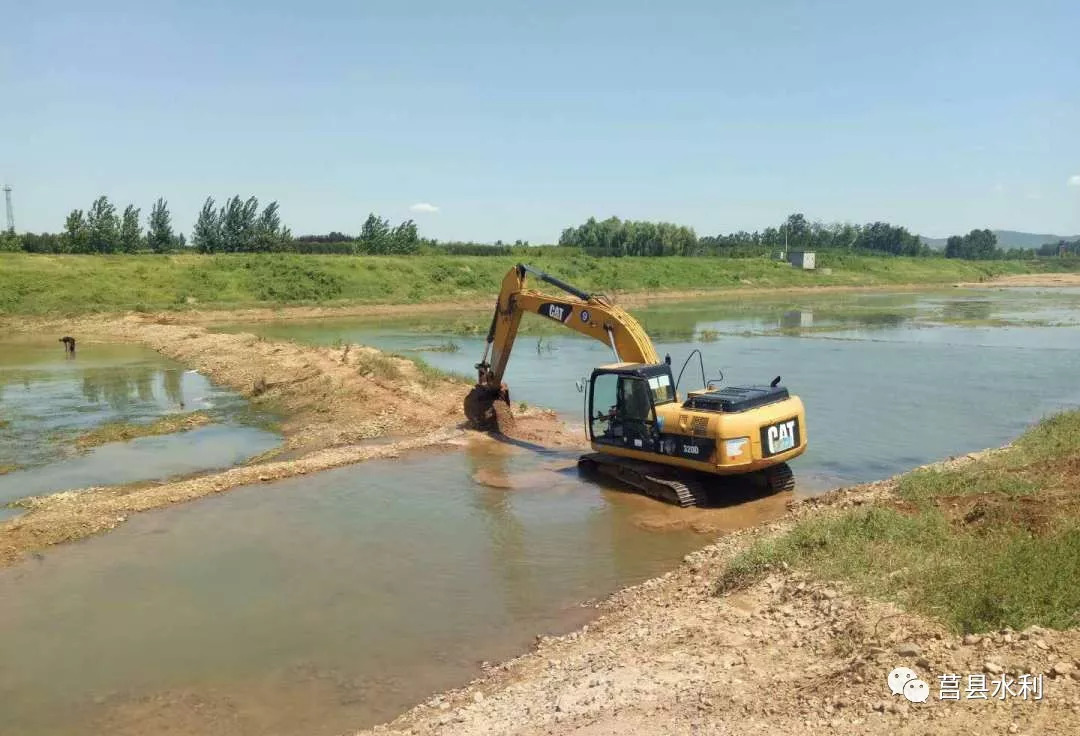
(238,226)
(101,229)
(615,237)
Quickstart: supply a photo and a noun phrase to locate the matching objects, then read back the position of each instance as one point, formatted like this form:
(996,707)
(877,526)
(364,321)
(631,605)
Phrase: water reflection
(959,310)
(46,400)
(797,318)
(119,387)
(170,381)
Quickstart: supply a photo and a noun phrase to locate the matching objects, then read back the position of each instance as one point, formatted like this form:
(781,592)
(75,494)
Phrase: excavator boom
(590,314)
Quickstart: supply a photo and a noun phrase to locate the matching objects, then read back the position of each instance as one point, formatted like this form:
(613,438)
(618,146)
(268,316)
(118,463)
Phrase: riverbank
(70,285)
(781,610)
(337,406)
(199,314)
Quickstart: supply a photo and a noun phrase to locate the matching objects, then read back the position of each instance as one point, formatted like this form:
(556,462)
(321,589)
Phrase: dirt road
(785,656)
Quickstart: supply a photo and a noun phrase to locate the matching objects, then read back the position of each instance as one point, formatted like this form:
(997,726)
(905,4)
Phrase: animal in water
(69,345)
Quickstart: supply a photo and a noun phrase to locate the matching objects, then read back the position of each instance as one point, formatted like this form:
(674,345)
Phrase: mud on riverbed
(339,406)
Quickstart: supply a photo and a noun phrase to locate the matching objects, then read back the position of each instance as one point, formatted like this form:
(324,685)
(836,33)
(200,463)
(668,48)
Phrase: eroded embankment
(333,403)
(789,653)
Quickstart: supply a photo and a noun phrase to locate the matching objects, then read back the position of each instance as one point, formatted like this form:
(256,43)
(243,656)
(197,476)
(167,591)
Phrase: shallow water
(315,604)
(323,603)
(47,400)
(889,380)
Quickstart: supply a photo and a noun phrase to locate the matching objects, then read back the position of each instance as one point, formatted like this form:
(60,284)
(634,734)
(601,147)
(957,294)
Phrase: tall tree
(130,230)
(375,234)
(207,234)
(76,233)
(237,219)
(104,226)
(160,235)
(404,238)
(981,244)
(268,229)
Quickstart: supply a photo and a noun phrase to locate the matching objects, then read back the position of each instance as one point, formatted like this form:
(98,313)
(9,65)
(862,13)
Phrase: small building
(803,259)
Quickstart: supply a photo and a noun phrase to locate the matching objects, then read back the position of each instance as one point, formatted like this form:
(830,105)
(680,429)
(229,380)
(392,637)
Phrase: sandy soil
(785,656)
(339,406)
(1033,279)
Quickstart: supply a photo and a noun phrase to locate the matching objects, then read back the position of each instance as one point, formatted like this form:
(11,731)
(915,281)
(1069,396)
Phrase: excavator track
(780,478)
(652,479)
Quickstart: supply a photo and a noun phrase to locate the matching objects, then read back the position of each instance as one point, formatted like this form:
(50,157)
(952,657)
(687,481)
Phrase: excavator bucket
(488,409)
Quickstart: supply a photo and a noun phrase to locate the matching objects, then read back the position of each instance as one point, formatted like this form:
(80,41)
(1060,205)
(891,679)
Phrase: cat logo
(781,436)
(556,312)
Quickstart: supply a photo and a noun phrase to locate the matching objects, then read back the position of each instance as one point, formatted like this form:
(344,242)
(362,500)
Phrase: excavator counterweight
(642,433)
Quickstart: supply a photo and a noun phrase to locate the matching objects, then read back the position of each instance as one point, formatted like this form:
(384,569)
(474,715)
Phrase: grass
(5,469)
(446,347)
(380,366)
(125,431)
(432,377)
(77,284)
(990,544)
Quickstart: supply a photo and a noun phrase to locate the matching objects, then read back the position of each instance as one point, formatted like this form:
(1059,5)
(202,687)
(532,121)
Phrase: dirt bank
(1033,279)
(480,304)
(333,402)
(787,655)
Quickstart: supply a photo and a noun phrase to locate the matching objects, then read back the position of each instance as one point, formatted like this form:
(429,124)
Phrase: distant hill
(1009,239)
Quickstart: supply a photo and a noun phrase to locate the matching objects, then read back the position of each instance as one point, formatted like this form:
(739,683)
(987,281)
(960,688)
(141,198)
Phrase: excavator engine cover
(737,398)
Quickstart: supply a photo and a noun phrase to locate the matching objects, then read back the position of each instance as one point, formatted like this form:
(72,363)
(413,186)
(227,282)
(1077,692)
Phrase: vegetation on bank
(986,545)
(238,227)
(77,284)
(125,431)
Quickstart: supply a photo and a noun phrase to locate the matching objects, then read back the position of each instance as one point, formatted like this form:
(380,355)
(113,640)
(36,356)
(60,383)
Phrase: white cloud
(999,187)
(1033,195)
(1074,180)
(423,207)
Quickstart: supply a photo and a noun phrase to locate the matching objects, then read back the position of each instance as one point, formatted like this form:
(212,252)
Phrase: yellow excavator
(642,432)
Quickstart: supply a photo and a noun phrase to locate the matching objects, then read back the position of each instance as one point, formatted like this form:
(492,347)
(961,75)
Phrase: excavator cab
(622,404)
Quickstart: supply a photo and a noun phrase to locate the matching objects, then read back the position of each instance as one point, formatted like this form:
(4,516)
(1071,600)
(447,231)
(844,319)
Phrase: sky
(507,119)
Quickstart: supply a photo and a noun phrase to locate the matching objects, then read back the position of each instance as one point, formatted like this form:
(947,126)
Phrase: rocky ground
(787,655)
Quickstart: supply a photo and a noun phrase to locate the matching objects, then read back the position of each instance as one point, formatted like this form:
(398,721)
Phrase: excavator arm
(592,315)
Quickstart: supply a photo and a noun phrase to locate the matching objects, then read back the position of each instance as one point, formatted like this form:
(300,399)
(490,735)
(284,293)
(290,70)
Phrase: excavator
(643,433)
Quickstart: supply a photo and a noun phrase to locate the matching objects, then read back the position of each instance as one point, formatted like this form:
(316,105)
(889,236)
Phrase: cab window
(604,404)
(661,388)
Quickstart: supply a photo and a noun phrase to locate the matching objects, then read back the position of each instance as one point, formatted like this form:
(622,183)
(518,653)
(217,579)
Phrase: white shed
(802,259)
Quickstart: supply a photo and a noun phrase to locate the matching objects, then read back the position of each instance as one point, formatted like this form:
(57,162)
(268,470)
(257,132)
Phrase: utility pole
(10,211)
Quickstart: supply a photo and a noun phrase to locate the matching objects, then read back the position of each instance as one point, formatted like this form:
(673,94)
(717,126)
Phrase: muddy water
(890,380)
(322,603)
(47,400)
(315,605)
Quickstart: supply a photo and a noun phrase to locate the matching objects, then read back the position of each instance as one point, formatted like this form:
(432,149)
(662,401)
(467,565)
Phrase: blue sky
(517,119)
